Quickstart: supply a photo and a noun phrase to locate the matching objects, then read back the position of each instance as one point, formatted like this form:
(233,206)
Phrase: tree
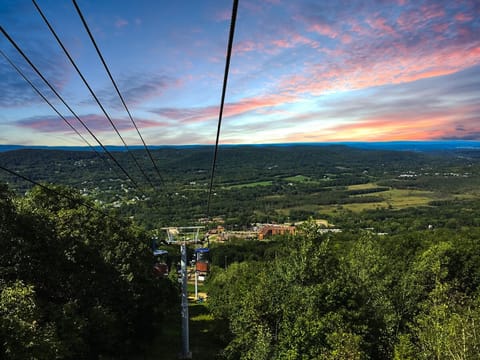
(22,335)
(89,275)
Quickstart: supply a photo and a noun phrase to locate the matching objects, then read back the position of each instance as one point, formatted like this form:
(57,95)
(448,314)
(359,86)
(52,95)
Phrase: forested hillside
(352,295)
(74,283)
(256,183)
(391,272)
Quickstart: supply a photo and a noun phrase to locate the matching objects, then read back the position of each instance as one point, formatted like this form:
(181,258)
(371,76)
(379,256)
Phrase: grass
(298,178)
(332,209)
(406,198)
(393,198)
(202,326)
(203,344)
(362,186)
(252,184)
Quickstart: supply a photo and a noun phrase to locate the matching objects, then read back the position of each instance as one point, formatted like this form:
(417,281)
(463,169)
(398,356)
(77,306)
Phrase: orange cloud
(430,125)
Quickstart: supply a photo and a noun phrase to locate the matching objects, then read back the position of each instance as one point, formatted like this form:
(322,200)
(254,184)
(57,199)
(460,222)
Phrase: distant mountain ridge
(420,146)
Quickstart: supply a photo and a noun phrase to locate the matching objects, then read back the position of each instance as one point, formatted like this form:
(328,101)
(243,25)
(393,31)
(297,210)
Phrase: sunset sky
(301,71)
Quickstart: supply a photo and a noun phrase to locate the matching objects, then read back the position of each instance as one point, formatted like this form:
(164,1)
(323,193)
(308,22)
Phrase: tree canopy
(75,283)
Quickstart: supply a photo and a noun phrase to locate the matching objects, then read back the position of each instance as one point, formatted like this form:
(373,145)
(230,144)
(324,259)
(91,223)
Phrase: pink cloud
(346,39)
(366,64)
(356,28)
(323,29)
(395,124)
(428,126)
(96,124)
(380,24)
(120,23)
(418,18)
(223,15)
(441,28)
(283,43)
(208,113)
(293,40)
(432,11)
(461,17)
(245,46)
(252,6)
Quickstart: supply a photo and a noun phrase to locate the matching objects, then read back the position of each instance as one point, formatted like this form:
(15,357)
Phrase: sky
(301,71)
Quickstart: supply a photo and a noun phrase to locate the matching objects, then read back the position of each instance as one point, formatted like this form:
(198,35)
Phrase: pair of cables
(222,101)
(69,124)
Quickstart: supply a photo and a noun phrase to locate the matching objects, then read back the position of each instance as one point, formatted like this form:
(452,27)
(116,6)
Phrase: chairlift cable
(82,203)
(91,91)
(116,88)
(222,102)
(14,44)
(20,72)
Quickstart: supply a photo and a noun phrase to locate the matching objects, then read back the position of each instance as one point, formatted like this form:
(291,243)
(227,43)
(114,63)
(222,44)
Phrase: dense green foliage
(252,184)
(400,281)
(355,296)
(74,283)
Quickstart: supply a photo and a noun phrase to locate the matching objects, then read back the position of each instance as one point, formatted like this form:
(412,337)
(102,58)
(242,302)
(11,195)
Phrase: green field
(392,199)
(298,178)
(247,185)
(370,185)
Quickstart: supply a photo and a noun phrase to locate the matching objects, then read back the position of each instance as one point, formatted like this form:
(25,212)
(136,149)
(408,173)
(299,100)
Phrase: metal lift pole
(190,234)
(186,354)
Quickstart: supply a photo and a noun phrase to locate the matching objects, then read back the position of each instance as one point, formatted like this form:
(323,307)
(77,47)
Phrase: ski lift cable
(87,28)
(222,102)
(22,74)
(58,193)
(27,59)
(60,43)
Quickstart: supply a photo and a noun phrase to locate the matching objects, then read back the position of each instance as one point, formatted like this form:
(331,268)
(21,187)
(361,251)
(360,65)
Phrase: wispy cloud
(16,91)
(208,113)
(120,23)
(223,15)
(365,65)
(324,29)
(421,110)
(137,88)
(301,70)
(96,123)
(371,48)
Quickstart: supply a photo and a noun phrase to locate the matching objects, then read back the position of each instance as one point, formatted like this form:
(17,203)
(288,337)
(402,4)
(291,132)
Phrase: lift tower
(182,236)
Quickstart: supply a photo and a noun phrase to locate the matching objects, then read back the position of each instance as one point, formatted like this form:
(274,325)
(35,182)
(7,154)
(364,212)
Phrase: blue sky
(301,71)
